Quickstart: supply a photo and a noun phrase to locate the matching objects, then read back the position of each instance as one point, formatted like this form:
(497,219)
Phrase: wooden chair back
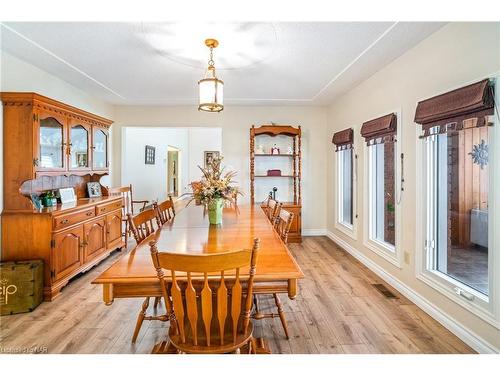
(165,210)
(143,224)
(273,209)
(283,224)
(209,311)
(128,199)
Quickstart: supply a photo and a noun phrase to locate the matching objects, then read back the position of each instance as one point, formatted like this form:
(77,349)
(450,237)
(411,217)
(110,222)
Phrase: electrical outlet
(407,257)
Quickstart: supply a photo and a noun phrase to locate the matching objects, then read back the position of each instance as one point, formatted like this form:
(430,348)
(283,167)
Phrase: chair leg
(140,319)
(125,234)
(157,302)
(281,313)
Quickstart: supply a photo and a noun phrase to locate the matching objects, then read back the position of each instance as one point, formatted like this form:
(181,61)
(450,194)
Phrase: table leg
(292,288)
(107,294)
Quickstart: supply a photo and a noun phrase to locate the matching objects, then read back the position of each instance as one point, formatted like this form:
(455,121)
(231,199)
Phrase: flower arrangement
(216,183)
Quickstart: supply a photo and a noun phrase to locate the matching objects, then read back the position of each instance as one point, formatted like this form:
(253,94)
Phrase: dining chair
(272,210)
(165,210)
(282,227)
(283,224)
(128,203)
(142,226)
(208,307)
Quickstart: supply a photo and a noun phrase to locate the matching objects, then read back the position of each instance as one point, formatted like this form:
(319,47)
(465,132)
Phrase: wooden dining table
(189,232)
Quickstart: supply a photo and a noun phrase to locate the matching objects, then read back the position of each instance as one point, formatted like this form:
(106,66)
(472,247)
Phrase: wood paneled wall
(468,182)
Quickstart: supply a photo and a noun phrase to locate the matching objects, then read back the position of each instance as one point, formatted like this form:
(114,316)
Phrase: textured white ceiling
(260,63)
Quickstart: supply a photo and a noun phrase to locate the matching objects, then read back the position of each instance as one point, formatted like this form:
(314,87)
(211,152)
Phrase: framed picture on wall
(149,155)
(209,156)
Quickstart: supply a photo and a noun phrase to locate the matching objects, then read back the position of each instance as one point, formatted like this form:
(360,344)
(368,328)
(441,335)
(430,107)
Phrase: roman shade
(380,130)
(343,139)
(448,111)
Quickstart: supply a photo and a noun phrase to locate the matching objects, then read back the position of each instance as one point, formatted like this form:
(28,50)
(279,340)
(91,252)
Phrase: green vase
(215,211)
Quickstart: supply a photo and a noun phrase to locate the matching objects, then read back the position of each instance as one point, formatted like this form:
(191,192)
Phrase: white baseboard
(314,232)
(467,336)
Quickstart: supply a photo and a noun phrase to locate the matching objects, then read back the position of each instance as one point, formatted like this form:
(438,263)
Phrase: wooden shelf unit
(50,145)
(295,205)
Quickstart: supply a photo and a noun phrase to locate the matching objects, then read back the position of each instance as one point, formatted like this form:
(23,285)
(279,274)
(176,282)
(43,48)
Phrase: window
(382,187)
(345,187)
(457,207)
(345,181)
(458,169)
(381,208)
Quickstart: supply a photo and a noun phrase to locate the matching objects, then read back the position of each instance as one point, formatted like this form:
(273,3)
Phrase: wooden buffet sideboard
(48,145)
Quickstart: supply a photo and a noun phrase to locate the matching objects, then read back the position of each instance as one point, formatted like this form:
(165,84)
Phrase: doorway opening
(173,173)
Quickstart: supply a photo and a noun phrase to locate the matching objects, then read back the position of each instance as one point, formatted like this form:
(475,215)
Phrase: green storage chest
(21,286)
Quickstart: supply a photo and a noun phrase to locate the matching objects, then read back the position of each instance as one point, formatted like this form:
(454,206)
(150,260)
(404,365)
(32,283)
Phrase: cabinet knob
(90,213)
(65,221)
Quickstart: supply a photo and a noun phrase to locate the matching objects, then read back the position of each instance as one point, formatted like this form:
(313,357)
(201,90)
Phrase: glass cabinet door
(79,147)
(100,149)
(51,144)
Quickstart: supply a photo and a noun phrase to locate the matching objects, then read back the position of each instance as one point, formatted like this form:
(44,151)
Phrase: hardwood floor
(338,310)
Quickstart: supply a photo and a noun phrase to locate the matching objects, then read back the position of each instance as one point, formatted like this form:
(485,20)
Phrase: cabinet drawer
(64,221)
(108,207)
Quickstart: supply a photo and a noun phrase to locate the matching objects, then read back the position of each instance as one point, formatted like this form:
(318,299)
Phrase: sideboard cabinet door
(67,252)
(79,136)
(95,238)
(114,229)
(100,157)
(50,142)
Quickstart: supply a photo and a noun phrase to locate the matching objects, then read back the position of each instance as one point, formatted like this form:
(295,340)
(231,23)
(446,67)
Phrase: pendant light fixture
(211,89)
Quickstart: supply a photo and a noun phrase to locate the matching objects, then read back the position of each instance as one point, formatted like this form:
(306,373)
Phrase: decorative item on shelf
(149,155)
(215,188)
(209,156)
(81,159)
(67,195)
(37,202)
(272,193)
(210,87)
(94,189)
(47,199)
(260,150)
(275,150)
(274,172)
(289,150)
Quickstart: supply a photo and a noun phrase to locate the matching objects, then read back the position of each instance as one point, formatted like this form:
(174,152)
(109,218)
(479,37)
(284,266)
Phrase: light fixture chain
(211,61)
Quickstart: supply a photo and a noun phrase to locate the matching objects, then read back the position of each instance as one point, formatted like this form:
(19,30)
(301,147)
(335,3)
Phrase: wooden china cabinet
(49,145)
(292,174)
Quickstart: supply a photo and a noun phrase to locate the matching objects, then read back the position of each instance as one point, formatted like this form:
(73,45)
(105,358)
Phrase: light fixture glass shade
(211,95)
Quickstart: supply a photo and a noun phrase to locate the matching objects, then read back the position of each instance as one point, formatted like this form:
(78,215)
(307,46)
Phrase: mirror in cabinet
(99,148)
(51,144)
(79,142)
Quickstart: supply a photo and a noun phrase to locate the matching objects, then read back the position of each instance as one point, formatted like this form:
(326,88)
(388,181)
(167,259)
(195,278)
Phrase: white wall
(457,54)
(150,180)
(201,140)
(235,122)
